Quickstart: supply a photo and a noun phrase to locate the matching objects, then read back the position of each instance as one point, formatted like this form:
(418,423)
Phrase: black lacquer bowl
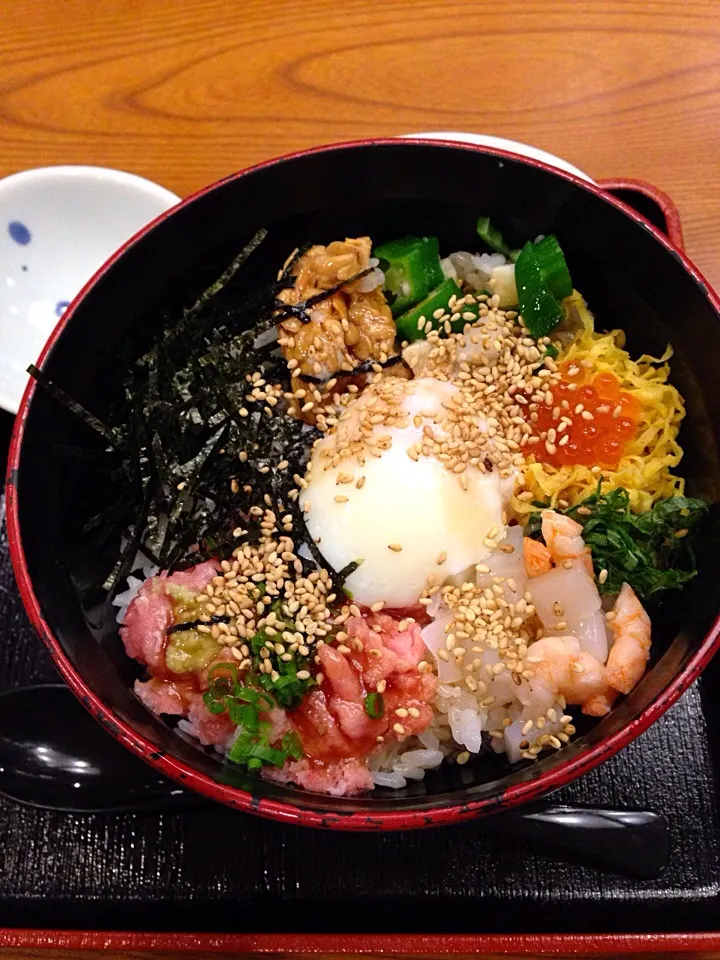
(632,277)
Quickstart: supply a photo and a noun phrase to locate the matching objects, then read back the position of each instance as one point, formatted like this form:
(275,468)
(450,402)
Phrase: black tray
(214,869)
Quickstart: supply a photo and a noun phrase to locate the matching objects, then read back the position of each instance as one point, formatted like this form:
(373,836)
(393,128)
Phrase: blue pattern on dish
(19,232)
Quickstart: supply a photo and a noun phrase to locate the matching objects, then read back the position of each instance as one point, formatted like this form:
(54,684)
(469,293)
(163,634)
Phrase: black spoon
(53,755)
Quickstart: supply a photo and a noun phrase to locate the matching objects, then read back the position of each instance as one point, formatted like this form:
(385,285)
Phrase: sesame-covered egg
(379,492)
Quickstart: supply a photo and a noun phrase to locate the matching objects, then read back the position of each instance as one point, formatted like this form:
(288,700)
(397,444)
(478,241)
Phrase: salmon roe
(595,415)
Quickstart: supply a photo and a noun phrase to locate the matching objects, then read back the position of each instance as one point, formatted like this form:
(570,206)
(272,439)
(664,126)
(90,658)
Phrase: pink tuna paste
(335,731)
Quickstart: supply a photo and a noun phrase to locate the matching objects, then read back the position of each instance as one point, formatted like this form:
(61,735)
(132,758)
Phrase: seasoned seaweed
(300,310)
(192,449)
(367,366)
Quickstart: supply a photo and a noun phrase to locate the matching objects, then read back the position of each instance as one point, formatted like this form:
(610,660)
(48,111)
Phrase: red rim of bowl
(287,811)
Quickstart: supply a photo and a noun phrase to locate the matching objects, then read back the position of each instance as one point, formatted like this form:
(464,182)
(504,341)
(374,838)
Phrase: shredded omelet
(645,468)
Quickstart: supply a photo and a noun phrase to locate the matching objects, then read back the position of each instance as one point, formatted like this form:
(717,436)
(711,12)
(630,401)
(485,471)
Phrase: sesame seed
(395,547)
(462,758)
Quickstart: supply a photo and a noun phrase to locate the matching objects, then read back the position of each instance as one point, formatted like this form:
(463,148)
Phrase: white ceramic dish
(502,143)
(57,226)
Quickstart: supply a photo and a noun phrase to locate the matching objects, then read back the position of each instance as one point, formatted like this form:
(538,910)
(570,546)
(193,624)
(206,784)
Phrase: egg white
(418,505)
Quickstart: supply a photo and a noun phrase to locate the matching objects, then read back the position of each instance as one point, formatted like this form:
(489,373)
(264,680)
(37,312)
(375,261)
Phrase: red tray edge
(341,944)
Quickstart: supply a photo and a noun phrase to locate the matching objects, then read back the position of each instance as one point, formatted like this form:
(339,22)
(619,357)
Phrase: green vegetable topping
(412,269)
(374,705)
(492,236)
(244,706)
(246,749)
(554,269)
(288,680)
(408,325)
(292,746)
(542,279)
(653,551)
(538,306)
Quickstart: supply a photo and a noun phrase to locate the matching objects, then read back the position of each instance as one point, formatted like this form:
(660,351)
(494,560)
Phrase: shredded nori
(179,433)
(194,624)
(300,310)
(367,366)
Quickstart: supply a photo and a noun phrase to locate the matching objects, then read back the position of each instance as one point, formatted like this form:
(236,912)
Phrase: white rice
(373,280)
(146,569)
(475,269)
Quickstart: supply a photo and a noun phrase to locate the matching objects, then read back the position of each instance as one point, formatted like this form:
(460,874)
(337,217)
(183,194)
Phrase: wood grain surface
(185,93)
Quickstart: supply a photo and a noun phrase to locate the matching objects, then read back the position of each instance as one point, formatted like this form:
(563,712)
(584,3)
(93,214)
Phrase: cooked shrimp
(631,650)
(563,537)
(601,704)
(566,669)
(538,558)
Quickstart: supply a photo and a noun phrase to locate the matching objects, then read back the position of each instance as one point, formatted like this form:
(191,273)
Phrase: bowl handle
(625,187)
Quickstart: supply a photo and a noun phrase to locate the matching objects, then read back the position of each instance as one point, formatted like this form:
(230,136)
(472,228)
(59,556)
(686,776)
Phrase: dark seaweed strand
(112,436)
(258,305)
(286,272)
(124,566)
(348,570)
(367,366)
(229,273)
(193,624)
(300,310)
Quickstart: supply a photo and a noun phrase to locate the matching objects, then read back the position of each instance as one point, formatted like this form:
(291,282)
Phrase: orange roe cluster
(590,422)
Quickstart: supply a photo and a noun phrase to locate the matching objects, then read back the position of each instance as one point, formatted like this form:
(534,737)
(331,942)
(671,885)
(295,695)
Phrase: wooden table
(185,93)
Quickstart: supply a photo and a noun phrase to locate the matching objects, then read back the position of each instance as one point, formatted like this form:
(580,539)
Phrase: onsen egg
(402,518)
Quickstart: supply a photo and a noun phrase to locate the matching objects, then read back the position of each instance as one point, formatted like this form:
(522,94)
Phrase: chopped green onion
(374,705)
(243,751)
(214,706)
(292,746)
(223,670)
